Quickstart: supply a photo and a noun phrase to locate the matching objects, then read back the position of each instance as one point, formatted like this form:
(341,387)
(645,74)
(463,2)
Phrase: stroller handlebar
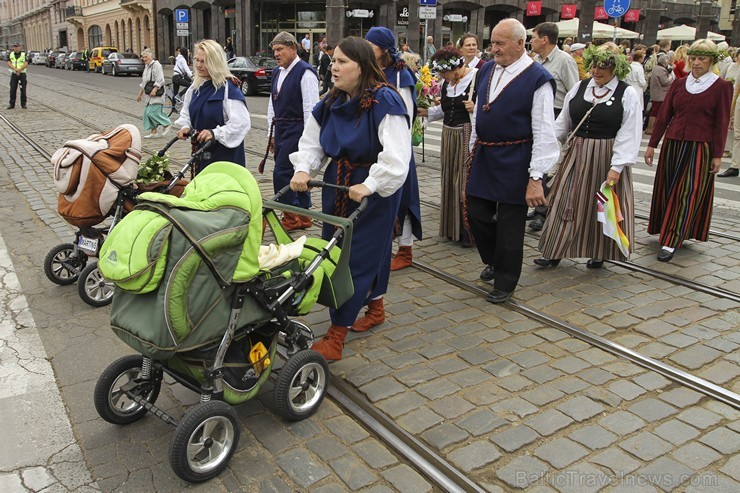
(323,184)
(193,159)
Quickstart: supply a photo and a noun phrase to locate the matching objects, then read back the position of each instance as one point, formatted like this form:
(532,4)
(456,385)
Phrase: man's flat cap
(284,38)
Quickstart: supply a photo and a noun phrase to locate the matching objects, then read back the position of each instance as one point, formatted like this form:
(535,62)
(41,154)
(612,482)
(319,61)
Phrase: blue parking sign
(182,15)
(428,3)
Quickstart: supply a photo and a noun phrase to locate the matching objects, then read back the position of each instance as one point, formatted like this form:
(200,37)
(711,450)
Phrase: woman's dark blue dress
(350,133)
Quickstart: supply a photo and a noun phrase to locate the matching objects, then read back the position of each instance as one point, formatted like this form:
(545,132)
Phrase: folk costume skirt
(683,193)
(454,180)
(571,229)
(154,117)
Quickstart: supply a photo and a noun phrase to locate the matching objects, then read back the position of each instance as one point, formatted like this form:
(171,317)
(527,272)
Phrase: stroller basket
(332,283)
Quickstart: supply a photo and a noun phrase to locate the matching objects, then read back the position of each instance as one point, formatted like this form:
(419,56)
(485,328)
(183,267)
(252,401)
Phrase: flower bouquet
(427,88)
(154,169)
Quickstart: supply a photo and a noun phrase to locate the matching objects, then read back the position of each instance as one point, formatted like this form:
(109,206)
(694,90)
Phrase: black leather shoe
(498,296)
(664,255)
(544,262)
(537,223)
(23,106)
(9,107)
(531,215)
(729,173)
(487,273)
(594,263)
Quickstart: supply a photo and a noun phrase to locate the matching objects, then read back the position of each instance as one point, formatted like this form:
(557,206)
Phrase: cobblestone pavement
(514,404)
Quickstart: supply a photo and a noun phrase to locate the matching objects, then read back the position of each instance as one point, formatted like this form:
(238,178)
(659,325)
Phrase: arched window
(95,36)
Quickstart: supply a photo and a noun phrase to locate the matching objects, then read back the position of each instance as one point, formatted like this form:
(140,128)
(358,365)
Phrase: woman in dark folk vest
(363,127)
(602,149)
(215,107)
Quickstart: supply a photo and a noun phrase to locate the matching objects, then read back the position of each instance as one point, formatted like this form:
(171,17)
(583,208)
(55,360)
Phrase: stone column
(218,24)
(477,23)
(244,42)
(412,35)
(435,28)
(335,21)
(705,14)
(386,14)
(586,22)
(735,41)
(653,9)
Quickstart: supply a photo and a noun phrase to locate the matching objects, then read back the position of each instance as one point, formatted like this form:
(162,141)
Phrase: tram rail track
(680,281)
(677,375)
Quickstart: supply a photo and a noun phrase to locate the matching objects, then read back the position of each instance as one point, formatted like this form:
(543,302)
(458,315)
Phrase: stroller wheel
(61,266)
(301,385)
(204,441)
(112,404)
(93,288)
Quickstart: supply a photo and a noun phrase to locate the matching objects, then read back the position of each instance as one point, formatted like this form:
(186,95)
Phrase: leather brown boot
(332,344)
(375,315)
(402,258)
(292,222)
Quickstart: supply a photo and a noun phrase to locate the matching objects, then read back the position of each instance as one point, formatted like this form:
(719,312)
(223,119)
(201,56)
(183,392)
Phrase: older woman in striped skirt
(694,118)
(457,104)
(604,114)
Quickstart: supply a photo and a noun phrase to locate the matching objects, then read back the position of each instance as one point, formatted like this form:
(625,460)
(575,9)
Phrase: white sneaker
(166,130)
(149,136)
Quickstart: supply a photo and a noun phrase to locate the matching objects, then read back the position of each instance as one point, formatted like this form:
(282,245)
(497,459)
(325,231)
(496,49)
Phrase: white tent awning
(569,28)
(685,33)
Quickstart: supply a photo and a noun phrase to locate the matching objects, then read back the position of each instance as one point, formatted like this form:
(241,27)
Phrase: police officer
(86,57)
(17,63)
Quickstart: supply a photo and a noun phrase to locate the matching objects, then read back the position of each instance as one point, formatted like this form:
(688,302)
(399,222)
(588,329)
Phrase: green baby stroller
(192,300)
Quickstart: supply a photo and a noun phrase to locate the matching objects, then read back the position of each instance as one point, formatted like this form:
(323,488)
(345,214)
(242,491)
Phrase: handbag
(150,85)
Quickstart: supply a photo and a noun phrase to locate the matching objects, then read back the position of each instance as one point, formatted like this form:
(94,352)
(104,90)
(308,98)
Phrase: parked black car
(254,72)
(74,61)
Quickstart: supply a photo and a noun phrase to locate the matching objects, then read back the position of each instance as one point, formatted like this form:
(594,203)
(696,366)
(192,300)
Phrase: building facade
(253,23)
(72,25)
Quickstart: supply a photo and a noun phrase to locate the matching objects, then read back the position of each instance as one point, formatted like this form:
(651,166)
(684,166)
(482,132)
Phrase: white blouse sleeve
(563,124)
(310,155)
(233,133)
(309,92)
(629,136)
(388,174)
(408,99)
(435,113)
(545,148)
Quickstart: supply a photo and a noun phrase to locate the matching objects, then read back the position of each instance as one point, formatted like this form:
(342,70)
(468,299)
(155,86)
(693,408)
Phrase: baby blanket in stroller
(175,261)
(89,172)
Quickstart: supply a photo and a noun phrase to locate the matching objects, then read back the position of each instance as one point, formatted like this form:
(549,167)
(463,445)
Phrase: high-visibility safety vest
(17,60)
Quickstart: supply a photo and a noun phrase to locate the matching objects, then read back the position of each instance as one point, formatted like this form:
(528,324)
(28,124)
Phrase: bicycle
(172,102)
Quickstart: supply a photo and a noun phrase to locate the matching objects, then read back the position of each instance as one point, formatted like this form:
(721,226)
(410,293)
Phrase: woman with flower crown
(363,127)
(604,114)
(694,117)
(457,104)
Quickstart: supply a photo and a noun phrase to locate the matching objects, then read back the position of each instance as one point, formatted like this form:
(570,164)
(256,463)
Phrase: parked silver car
(60,60)
(123,63)
(40,59)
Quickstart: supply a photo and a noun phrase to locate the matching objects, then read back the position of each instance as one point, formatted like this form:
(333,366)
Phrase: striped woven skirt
(454,180)
(683,193)
(572,229)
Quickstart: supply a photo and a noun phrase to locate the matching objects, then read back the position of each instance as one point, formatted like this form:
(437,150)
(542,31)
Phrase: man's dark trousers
(498,230)
(14,80)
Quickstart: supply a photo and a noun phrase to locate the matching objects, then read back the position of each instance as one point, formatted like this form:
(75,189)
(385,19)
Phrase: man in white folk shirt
(513,145)
(295,91)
